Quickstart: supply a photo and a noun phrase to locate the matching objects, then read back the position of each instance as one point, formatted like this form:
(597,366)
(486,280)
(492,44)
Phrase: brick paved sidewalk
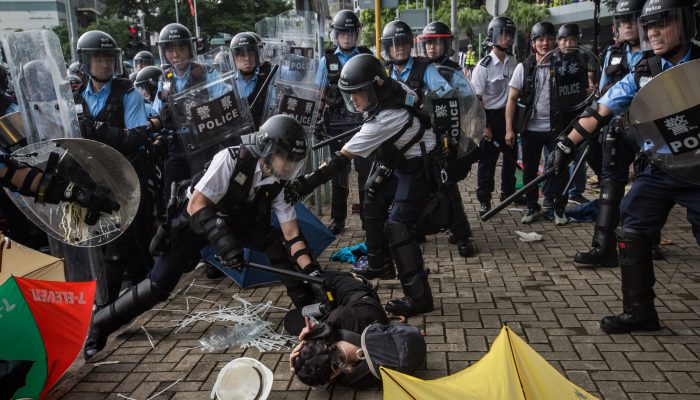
(533,287)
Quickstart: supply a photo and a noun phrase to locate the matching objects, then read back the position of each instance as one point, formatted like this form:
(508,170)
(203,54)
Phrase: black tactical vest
(617,66)
(568,88)
(415,77)
(112,113)
(235,205)
(333,66)
(450,64)
(650,65)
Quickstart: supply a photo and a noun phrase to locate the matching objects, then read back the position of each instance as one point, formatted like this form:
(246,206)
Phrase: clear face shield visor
(103,64)
(139,64)
(503,38)
(344,39)
(247,57)
(433,46)
(177,51)
(626,27)
(284,165)
(397,49)
(360,99)
(665,31)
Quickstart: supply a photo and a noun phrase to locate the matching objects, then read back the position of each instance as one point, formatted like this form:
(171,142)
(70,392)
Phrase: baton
(506,154)
(517,194)
(265,84)
(336,137)
(286,273)
(578,166)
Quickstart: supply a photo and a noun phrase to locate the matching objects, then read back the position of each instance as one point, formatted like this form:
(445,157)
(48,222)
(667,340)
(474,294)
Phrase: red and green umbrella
(43,326)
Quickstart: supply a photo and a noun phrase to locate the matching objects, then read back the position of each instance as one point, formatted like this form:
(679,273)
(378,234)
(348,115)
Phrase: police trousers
(532,145)
(490,151)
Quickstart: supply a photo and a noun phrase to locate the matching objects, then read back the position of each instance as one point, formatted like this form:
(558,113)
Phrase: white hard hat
(243,379)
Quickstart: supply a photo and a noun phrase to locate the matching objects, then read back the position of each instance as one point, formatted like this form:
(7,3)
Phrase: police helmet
(281,143)
(143,59)
(244,44)
(99,44)
(396,33)
(174,34)
(362,73)
(567,30)
(541,29)
(76,69)
(222,62)
(132,76)
(127,68)
(501,27)
(663,12)
(628,8)
(345,21)
(437,32)
(147,79)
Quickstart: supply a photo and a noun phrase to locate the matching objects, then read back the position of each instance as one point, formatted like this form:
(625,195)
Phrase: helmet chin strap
(101,80)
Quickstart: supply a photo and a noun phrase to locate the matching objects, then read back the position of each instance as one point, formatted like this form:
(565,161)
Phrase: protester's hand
(510,137)
(296,350)
(561,157)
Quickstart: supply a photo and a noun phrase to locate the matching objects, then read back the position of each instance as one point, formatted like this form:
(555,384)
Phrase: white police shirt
(491,78)
(383,126)
(214,184)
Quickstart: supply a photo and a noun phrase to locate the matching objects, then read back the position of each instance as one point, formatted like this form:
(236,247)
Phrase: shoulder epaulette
(485,61)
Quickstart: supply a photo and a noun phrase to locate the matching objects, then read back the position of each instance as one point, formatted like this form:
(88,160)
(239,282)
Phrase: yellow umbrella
(22,261)
(510,370)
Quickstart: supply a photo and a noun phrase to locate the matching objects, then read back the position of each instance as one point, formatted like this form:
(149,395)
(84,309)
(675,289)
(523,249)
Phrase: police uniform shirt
(540,119)
(491,81)
(619,97)
(215,91)
(214,184)
(632,59)
(247,86)
(385,125)
(343,57)
(432,80)
(134,105)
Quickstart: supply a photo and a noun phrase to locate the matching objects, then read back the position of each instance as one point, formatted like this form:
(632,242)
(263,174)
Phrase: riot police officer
(436,43)
(618,149)
(245,48)
(667,29)
(113,113)
(177,47)
(490,78)
(143,59)
(76,69)
(395,134)
(147,82)
(345,35)
(229,206)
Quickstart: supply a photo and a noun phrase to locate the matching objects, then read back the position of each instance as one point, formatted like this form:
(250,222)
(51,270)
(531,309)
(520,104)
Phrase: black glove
(96,201)
(232,258)
(87,128)
(320,132)
(297,189)
(564,152)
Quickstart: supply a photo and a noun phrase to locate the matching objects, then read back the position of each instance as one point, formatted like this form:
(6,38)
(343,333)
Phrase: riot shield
(41,85)
(456,113)
(298,30)
(271,43)
(570,84)
(90,165)
(668,131)
(49,113)
(212,115)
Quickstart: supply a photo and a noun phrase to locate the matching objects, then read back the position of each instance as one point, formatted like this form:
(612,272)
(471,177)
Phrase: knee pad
(401,244)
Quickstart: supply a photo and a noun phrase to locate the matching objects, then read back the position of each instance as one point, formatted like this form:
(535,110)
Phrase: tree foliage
(117,28)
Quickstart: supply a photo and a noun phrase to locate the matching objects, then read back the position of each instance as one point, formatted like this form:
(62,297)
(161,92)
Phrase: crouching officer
(229,206)
(436,43)
(113,113)
(668,27)
(399,140)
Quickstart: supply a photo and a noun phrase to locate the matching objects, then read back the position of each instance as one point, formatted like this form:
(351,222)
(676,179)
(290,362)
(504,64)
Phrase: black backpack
(399,347)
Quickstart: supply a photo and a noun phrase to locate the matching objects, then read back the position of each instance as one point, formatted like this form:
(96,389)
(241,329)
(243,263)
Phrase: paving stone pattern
(533,287)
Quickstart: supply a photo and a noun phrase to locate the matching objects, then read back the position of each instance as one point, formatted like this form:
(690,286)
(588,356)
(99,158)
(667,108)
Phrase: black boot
(466,247)
(128,306)
(637,271)
(336,226)
(603,252)
(418,299)
(414,278)
(380,266)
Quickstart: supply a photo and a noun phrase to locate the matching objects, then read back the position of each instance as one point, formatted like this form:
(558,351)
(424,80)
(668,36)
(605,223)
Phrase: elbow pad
(207,222)
(601,121)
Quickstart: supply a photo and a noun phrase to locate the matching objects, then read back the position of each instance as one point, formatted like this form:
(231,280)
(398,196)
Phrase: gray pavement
(533,287)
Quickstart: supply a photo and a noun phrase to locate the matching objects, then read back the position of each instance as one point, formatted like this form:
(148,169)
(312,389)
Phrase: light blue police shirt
(321,72)
(134,108)
(432,79)
(632,58)
(215,91)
